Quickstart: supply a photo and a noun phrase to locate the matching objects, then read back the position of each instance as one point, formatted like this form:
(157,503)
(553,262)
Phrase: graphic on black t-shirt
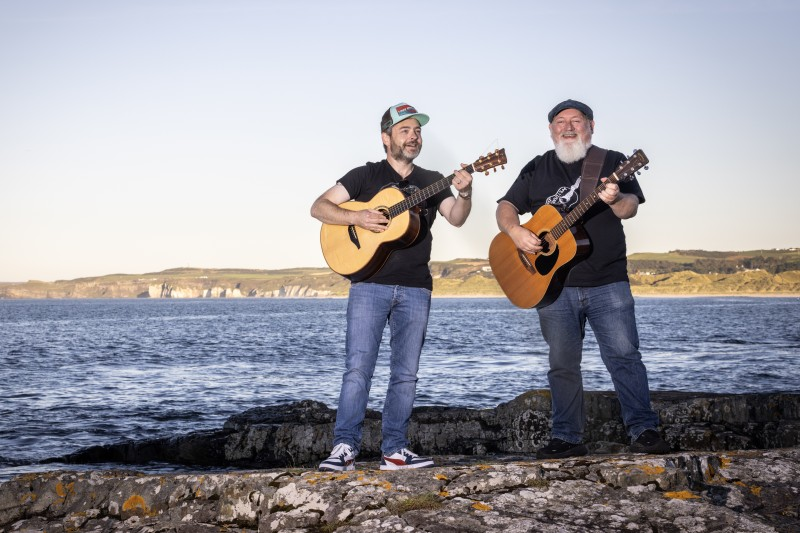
(565,198)
(409,189)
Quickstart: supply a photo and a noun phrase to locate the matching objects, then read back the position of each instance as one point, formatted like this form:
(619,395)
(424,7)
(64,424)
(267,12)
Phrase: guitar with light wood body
(357,253)
(536,280)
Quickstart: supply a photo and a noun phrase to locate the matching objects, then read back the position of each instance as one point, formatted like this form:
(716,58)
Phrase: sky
(142,135)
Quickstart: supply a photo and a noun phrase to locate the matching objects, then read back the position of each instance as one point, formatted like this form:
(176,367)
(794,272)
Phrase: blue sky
(137,136)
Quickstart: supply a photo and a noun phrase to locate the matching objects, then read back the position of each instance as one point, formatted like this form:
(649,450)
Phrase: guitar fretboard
(624,173)
(419,196)
(575,215)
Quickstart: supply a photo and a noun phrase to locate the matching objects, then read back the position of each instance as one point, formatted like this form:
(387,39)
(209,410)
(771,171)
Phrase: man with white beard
(596,288)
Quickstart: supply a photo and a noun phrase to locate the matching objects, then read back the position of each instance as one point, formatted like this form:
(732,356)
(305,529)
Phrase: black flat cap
(570,104)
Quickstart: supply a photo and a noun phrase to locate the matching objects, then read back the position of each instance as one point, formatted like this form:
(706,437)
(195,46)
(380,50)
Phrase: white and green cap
(399,112)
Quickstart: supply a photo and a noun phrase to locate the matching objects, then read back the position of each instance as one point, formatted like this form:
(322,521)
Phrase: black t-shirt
(548,180)
(406,266)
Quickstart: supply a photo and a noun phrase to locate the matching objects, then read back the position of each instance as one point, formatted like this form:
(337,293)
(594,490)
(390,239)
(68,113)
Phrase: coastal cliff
(650,274)
(189,283)
(735,467)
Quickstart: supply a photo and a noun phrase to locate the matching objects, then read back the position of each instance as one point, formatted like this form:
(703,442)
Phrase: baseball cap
(570,104)
(400,112)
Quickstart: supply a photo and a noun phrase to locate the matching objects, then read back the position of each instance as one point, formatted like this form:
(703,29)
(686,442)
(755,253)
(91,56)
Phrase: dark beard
(399,154)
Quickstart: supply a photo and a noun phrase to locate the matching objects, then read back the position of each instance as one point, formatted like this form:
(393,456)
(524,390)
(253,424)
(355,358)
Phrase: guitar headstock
(490,161)
(627,170)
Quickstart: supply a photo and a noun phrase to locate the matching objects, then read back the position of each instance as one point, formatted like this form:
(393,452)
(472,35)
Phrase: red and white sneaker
(403,459)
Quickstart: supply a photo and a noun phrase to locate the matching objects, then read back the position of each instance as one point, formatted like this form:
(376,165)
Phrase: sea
(76,373)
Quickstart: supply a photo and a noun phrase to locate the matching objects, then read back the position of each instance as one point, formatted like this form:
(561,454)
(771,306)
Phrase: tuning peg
(647,167)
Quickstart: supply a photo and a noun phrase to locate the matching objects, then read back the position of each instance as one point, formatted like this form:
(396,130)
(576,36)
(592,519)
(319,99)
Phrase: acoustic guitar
(357,253)
(536,280)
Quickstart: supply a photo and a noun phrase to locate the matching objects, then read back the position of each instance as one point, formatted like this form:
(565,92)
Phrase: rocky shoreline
(752,491)
(736,467)
(300,434)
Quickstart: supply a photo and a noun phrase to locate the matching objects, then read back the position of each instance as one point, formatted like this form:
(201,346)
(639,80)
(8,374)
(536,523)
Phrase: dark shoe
(558,449)
(650,442)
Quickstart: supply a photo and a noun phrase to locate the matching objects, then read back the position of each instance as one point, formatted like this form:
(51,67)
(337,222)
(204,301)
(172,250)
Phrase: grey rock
(300,434)
(729,492)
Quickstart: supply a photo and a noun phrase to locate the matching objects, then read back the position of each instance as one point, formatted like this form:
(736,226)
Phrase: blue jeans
(369,308)
(610,312)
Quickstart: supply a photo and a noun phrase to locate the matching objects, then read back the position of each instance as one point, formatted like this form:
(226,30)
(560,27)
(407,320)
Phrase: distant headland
(675,273)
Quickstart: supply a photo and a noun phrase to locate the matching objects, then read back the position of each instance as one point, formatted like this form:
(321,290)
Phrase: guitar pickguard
(545,262)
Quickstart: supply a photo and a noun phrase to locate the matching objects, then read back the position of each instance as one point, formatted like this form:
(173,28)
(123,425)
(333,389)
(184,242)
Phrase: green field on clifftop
(689,272)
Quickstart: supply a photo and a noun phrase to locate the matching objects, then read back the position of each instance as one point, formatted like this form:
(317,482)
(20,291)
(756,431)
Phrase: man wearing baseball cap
(399,293)
(596,288)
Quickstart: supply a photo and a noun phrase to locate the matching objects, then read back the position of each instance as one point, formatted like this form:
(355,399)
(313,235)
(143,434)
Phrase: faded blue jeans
(609,310)
(369,308)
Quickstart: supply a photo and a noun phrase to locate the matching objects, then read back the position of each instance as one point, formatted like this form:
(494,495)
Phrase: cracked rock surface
(732,491)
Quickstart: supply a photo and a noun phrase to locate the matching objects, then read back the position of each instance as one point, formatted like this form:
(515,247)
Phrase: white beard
(572,151)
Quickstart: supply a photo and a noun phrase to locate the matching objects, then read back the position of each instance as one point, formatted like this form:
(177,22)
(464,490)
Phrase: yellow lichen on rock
(681,495)
(651,469)
(134,503)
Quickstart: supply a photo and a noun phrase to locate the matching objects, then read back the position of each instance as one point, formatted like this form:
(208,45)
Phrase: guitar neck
(575,215)
(421,195)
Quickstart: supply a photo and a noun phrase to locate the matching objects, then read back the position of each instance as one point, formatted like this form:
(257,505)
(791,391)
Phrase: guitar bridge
(351,230)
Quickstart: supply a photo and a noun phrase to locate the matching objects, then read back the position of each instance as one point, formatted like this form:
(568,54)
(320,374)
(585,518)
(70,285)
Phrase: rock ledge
(753,491)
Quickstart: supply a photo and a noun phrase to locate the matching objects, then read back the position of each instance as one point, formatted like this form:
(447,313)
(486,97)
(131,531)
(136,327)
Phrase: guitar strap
(590,173)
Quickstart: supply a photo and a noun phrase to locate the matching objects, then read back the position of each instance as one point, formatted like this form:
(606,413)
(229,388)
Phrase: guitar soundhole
(385,212)
(544,261)
(545,238)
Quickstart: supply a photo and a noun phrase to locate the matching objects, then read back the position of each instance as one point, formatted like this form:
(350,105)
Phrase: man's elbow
(315,208)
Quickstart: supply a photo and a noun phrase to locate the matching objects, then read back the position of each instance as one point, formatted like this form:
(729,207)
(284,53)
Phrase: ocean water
(75,373)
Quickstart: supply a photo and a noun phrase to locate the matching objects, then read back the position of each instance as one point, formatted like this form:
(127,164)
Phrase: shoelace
(408,454)
(342,451)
